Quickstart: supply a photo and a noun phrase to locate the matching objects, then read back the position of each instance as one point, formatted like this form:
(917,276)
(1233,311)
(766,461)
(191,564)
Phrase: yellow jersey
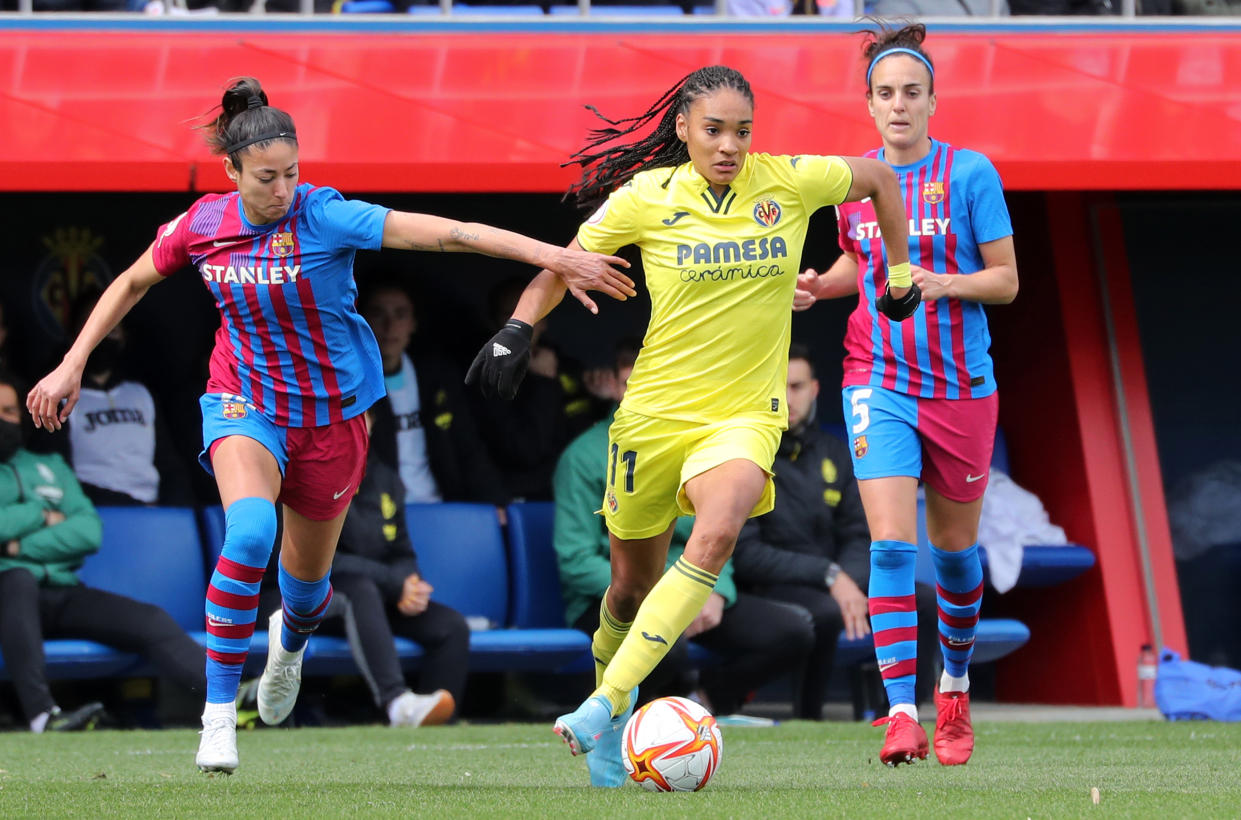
(721,271)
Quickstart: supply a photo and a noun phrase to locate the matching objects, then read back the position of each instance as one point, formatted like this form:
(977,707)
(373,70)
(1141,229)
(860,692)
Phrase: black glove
(899,309)
(501,365)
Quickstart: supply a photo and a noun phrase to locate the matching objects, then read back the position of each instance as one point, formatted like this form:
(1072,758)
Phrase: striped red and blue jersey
(954,202)
(290,341)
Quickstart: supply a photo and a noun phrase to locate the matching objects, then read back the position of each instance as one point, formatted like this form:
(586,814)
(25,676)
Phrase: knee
(795,627)
(250,531)
(711,544)
(16,582)
(892,555)
(456,629)
(625,595)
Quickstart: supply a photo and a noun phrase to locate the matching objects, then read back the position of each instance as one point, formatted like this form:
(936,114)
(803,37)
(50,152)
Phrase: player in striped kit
(920,397)
(293,370)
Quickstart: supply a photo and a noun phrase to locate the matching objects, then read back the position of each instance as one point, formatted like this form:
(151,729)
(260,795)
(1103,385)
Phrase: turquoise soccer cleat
(607,768)
(583,727)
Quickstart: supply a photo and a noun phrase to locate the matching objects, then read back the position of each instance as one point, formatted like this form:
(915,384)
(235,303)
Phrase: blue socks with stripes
(233,593)
(304,605)
(894,618)
(958,595)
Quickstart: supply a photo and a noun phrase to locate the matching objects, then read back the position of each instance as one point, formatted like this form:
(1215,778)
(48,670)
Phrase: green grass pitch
(794,770)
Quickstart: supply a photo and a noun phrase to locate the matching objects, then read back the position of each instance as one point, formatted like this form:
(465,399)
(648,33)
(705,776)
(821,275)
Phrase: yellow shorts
(650,460)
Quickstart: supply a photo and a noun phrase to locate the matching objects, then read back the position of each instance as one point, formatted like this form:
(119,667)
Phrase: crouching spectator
(47,529)
(813,548)
(382,593)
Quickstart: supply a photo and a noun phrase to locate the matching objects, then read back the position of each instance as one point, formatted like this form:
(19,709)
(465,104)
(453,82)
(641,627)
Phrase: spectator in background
(4,335)
(813,548)
(759,639)
(118,443)
(47,528)
(525,436)
(424,428)
(375,574)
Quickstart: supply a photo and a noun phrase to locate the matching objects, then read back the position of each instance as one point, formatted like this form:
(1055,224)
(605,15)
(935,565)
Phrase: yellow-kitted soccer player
(721,232)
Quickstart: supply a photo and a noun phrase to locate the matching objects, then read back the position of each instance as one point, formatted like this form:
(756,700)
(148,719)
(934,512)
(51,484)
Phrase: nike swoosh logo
(220,244)
(654,638)
(339,494)
(675,218)
(884,667)
(970,479)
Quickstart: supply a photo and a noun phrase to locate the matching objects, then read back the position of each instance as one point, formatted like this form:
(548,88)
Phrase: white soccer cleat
(282,676)
(217,746)
(409,709)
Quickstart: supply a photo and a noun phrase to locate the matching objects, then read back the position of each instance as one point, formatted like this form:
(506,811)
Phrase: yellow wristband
(899,276)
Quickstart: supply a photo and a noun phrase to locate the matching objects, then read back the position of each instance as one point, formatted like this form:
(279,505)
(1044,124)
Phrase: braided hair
(247,120)
(885,38)
(605,168)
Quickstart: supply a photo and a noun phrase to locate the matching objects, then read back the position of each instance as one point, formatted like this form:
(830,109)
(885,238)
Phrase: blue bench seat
(157,555)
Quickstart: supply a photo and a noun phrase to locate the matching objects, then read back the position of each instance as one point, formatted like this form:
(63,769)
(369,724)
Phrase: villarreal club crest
(767,212)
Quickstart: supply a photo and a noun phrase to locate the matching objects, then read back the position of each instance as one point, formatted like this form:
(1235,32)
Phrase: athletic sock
(233,593)
(948,683)
(670,607)
(607,639)
(304,605)
(958,594)
(894,617)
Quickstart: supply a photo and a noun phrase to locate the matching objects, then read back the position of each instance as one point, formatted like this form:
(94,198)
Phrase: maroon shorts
(958,436)
(326,465)
(321,466)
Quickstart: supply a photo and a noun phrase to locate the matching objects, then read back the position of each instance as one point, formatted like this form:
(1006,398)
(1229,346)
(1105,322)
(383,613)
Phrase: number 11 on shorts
(630,457)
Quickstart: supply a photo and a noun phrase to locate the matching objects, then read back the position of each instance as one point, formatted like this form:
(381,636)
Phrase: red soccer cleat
(905,740)
(954,734)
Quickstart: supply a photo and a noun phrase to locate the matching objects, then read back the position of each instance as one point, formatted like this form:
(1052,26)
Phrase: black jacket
(375,539)
(525,436)
(462,468)
(818,518)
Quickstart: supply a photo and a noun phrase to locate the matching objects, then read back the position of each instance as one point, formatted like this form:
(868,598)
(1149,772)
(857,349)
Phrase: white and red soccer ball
(672,745)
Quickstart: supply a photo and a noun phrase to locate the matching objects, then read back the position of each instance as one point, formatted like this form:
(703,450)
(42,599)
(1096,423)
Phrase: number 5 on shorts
(630,457)
(860,411)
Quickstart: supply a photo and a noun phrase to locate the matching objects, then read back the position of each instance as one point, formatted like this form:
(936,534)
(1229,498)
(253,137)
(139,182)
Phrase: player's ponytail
(246,120)
(883,39)
(605,168)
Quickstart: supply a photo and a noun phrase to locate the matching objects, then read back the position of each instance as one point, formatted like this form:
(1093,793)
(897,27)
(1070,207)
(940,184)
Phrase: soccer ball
(672,745)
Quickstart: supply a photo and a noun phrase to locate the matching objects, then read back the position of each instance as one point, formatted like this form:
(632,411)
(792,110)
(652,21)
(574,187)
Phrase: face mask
(10,439)
(105,357)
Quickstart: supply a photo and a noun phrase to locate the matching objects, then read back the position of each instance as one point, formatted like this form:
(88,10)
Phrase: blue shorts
(227,415)
(945,442)
(320,467)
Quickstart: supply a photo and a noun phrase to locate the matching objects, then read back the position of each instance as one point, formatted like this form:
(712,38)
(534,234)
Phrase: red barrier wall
(419,107)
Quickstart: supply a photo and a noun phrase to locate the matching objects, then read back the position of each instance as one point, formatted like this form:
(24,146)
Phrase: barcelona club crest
(933,192)
(860,446)
(767,212)
(282,243)
(233,409)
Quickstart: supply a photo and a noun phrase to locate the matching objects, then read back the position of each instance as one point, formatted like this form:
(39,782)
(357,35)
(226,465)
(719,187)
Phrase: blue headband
(892,51)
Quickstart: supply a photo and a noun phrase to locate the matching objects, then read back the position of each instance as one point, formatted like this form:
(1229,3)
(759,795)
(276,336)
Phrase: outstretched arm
(65,382)
(580,270)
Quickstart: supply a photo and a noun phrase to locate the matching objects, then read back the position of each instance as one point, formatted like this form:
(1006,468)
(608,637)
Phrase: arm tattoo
(459,233)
